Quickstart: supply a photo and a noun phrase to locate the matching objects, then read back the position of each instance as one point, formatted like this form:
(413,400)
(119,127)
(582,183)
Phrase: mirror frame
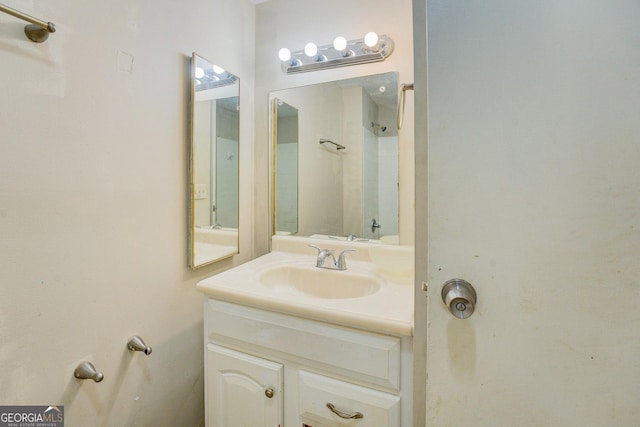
(191,172)
(274,164)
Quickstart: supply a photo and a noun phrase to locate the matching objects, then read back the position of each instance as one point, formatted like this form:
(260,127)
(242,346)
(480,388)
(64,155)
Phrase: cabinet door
(242,390)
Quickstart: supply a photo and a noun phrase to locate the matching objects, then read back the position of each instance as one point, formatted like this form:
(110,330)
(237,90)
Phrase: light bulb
(218,70)
(371,39)
(199,73)
(284,54)
(310,49)
(340,43)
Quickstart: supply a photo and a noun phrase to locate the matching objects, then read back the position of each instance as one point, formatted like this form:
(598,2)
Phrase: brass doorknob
(269,392)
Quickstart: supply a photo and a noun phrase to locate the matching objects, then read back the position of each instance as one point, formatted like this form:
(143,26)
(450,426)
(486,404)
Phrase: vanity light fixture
(340,44)
(212,77)
(371,39)
(371,48)
(284,54)
(310,49)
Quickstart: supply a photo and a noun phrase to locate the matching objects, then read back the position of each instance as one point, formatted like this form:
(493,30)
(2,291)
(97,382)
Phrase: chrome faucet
(323,254)
(349,238)
(341,264)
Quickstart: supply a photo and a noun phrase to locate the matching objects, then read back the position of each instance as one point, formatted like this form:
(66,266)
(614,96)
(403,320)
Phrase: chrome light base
(356,52)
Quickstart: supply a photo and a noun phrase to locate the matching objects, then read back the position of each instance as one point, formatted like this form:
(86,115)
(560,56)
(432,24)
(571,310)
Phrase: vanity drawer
(364,356)
(316,393)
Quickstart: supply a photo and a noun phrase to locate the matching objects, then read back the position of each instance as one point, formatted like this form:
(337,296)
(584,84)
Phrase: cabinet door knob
(269,392)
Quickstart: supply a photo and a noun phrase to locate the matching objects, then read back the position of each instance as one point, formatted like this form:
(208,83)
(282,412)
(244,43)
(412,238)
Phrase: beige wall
(93,187)
(93,193)
(292,23)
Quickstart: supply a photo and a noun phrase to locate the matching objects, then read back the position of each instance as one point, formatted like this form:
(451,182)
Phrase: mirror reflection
(286,166)
(215,115)
(346,146)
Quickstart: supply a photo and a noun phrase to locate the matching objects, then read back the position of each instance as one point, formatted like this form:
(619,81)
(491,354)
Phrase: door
(242,390)
(534,198)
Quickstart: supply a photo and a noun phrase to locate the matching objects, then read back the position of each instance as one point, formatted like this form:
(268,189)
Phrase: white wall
(93,194)
(287,173)
(227,186)
(287,193)
(292,23)
(204,125)
(352,195)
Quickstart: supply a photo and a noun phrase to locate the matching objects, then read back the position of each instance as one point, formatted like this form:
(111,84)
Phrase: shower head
(378,126)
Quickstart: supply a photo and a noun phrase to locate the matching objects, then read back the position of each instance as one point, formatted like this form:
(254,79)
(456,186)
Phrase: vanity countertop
(388,310)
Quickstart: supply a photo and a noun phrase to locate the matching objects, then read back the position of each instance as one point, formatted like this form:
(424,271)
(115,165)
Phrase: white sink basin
(377,298)
(319,283)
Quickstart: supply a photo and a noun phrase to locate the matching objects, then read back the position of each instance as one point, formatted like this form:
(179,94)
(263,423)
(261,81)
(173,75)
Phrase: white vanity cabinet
(277,370)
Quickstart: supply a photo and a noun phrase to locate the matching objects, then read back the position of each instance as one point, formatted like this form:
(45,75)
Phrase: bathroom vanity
(290,344)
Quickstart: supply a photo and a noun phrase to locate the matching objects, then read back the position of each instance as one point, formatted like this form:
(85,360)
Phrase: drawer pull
(344,415)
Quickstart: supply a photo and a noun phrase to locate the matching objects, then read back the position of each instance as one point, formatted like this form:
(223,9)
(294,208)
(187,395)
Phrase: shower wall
(370,183)
(388,184)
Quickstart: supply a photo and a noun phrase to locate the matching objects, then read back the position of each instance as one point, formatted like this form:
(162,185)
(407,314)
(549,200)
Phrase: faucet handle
(322,252)
(322,255)
(374,224)
(342,262)
(316,247)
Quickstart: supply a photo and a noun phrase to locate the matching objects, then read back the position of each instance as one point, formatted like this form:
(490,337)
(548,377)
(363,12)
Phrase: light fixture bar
(356,52)
(208,83)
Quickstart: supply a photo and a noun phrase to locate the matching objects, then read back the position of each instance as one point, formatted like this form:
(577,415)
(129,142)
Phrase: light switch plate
(200,191)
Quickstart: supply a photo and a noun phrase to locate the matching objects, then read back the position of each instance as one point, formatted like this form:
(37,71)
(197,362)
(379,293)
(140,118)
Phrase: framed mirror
(346,159)
(213,163)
